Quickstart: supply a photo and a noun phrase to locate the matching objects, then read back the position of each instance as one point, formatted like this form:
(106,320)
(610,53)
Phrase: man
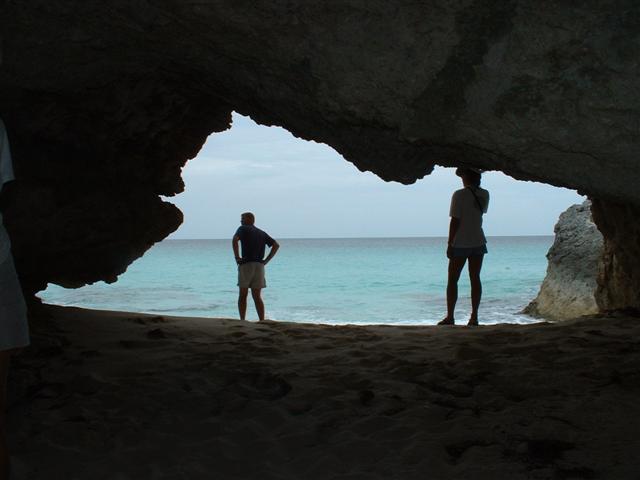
(251,263)
(14,331)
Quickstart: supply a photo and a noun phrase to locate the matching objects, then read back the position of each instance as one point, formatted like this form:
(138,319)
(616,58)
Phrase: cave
(303,190)
(106,102)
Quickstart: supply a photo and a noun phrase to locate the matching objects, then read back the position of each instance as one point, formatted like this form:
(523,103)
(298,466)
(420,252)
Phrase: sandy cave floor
(113,395)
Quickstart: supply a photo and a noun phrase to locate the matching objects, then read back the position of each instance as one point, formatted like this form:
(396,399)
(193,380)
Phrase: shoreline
(461,321)
(181,397)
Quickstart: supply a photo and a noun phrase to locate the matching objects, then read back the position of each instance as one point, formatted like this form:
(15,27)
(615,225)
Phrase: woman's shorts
(466,252)
(14,329)
(251,275)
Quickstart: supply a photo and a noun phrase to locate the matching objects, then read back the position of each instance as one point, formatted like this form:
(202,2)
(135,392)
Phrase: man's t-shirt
(6,175)
(465,208)
(253,242)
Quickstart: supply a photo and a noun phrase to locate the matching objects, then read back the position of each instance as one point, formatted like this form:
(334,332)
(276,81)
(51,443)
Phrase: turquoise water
(355,280)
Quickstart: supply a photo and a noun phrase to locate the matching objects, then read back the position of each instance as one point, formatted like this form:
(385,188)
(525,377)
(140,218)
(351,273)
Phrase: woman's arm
(7,193)
(454,225)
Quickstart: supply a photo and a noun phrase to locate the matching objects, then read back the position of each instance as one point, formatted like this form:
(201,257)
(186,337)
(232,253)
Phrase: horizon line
(363,238)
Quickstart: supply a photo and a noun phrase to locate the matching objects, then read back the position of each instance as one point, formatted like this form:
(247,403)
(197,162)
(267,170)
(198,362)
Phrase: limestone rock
(569,288)
(90,172)
(619,276)
(112,98)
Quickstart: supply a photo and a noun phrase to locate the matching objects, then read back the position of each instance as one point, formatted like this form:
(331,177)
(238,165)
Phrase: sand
(112,395)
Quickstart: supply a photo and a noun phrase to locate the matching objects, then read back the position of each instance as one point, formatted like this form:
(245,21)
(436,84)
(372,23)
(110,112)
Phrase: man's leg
(4,453)
(456,264)
(242,302)
(257,299)
(475,265)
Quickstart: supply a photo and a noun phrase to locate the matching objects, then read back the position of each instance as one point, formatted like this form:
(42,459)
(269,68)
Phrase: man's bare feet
(447,321)
(473,322)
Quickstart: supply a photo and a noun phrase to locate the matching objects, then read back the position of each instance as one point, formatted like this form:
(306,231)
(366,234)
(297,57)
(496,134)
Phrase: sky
(302,189)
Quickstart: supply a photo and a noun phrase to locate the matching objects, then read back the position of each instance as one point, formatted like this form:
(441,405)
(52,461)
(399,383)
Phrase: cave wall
(91,169)
(104,101)
(619,275)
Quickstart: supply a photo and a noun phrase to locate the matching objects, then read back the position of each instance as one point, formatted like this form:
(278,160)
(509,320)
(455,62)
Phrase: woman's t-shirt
(465,208)
(6,175)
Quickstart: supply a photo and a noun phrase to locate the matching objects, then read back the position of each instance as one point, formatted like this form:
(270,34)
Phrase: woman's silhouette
(466,241)
(14,331)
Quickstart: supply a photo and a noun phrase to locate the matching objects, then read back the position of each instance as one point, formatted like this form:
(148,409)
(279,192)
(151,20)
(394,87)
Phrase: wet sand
(113,395)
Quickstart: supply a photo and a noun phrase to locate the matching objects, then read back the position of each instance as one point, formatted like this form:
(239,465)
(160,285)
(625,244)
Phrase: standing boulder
(568,290)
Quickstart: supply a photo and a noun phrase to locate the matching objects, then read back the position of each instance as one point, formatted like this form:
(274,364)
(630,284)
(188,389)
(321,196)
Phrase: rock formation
(569,288)
(105,101)
(619,278)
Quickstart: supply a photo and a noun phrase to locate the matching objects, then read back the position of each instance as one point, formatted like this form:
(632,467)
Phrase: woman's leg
(4,453)
(475,265)
(456,264)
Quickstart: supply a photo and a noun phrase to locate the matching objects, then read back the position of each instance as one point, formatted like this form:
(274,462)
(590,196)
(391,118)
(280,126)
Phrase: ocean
(334,281)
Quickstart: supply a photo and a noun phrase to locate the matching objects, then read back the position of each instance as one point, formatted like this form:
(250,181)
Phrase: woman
(14,333)
(466,241)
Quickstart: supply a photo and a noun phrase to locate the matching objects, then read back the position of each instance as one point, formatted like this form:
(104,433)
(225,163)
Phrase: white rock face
(568,290)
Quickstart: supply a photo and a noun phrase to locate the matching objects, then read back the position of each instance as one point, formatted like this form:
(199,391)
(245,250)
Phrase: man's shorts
(466,252)
(14,329)
(251,275)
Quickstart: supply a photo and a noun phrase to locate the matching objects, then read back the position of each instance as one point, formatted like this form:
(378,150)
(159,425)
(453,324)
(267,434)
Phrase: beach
(114,395)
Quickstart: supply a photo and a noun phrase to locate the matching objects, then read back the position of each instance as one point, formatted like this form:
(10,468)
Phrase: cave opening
(356,249)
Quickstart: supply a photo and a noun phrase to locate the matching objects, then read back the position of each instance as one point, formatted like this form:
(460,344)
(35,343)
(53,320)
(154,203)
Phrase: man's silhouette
(252,262)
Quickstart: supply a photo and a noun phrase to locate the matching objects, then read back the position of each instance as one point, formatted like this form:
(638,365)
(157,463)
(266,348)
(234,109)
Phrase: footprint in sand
(147,320)
(156,333)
